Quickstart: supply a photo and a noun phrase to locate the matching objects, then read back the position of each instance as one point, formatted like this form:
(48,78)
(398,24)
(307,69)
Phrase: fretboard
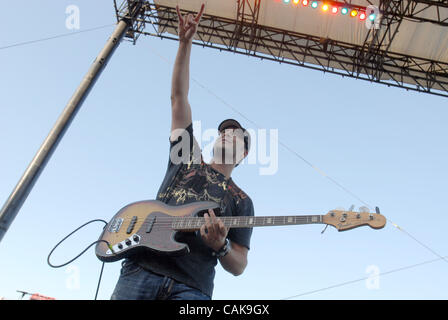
(194,223)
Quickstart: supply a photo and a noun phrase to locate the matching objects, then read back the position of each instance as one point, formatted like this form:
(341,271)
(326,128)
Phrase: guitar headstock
(346,220)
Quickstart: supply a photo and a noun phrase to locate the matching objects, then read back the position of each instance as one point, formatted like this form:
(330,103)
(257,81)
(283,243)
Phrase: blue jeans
(136,283)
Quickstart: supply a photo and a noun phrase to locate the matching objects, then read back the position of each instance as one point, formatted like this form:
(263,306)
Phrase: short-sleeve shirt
(189,179)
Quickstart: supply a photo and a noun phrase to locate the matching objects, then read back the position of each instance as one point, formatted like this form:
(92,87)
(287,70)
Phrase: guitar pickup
(131,225)
(150,224)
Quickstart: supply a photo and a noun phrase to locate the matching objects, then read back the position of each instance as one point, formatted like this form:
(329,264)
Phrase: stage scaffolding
(372,61)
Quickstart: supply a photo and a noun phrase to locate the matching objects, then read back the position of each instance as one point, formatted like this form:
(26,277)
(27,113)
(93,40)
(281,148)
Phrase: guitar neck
(194,223)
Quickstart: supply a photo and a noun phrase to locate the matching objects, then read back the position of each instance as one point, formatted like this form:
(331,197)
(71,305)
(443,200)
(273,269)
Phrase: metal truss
(133,11)
(246,22)
(379,38)
(415,10)
(373,61)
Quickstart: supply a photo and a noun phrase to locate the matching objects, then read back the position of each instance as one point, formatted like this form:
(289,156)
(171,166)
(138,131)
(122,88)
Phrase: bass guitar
(153,225)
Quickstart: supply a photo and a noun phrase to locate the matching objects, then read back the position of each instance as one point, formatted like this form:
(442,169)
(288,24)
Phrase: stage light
(286,1)
(325,7)
(344,11)
(314,4)
(305,2)
(362,16)
(372,17)
(334,10)
(296,1)
(354,13)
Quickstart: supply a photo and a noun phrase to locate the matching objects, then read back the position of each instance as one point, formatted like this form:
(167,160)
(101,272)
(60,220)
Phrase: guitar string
(166,219)
(181,221)
(184,222)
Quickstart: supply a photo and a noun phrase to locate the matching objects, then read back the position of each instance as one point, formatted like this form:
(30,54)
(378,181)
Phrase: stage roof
(408,47)
(425,40)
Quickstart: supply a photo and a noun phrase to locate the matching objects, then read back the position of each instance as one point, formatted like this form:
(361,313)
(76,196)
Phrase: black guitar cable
(62,265)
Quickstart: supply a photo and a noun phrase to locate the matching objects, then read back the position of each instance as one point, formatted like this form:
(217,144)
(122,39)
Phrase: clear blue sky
(386,145)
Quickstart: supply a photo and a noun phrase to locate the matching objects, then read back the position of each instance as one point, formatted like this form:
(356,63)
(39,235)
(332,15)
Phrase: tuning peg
(351,208)
(377,210)
(364,209)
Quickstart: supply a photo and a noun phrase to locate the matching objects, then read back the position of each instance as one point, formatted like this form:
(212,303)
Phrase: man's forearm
(181,72)
(234,262)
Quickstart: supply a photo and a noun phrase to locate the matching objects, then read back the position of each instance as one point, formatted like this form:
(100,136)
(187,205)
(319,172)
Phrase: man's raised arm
(180,108)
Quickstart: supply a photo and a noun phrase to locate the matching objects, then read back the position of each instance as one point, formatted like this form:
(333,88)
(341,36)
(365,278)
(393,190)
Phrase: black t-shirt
(191,180)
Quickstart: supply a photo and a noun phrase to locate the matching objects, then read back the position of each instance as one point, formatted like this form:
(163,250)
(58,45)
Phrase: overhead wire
(69,34)
(365,278)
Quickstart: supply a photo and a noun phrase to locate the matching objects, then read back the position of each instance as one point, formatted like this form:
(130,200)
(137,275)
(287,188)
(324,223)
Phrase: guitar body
(146,225)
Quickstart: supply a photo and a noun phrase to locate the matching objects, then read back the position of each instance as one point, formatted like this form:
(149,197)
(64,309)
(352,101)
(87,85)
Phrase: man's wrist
(184,42)
(223,250)
(219,247)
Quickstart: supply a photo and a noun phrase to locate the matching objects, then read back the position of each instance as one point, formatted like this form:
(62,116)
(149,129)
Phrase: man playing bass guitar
(189,179)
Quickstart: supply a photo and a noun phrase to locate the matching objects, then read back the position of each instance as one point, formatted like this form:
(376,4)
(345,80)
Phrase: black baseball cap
(232,123)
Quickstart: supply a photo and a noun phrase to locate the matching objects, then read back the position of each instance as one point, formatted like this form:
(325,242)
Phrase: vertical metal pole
(23,188)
